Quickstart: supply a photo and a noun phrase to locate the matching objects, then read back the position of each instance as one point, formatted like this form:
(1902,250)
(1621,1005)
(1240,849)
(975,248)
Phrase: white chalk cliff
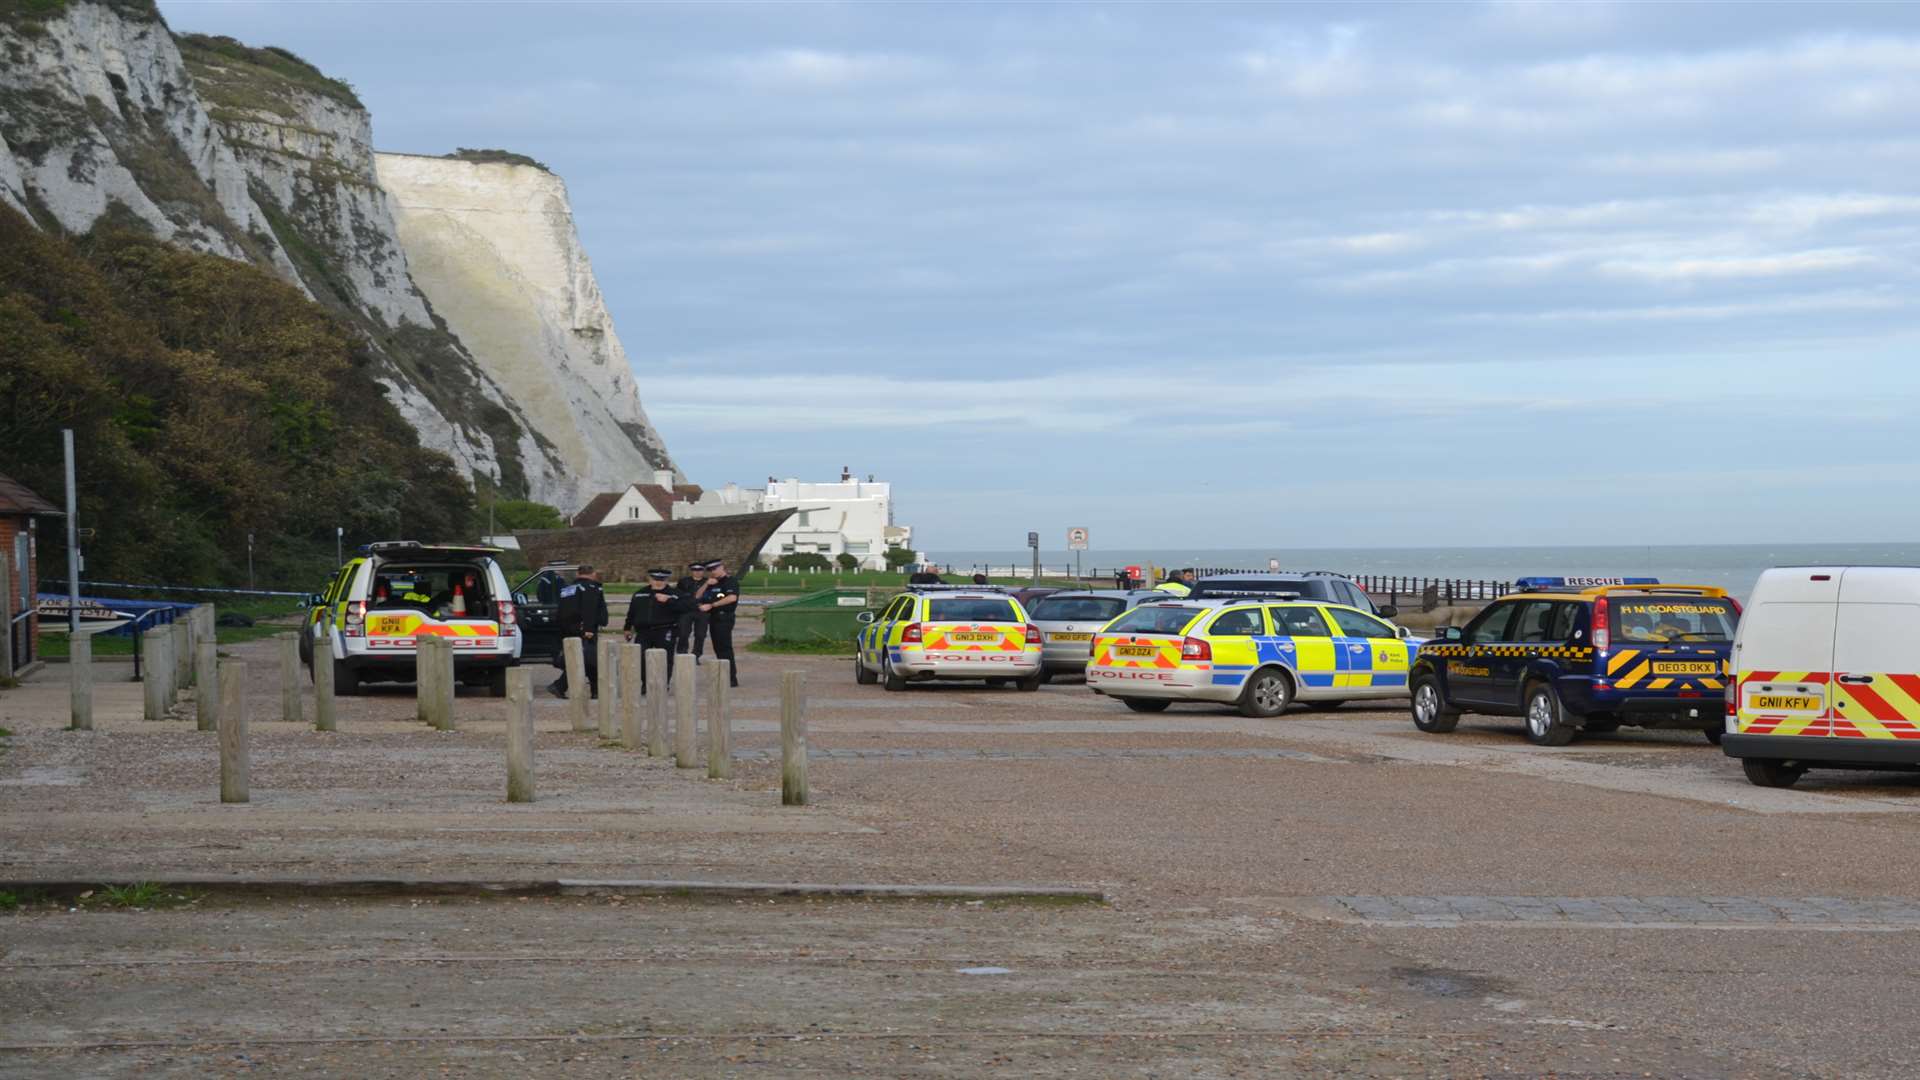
(493,246)
(105,116)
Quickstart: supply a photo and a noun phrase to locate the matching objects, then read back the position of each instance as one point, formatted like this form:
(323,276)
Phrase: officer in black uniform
(653,616)
(582,614)
(691,632)
(720,598)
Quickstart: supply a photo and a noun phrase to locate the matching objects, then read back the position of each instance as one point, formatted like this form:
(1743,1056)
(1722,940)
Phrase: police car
(1583,654)
(392,593)
(1258,654)
(943,632)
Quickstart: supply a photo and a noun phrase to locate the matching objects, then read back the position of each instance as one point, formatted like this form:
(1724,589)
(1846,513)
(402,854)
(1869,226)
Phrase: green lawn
(779,582)
(810,647)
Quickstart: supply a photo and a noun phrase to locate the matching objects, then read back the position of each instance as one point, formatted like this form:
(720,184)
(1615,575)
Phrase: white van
(1826,673)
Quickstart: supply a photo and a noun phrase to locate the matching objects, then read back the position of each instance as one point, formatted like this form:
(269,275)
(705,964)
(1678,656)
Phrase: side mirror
(1402,633)
(520,598)
(316,600)
(1449,633)
(864,617)
(1389,611)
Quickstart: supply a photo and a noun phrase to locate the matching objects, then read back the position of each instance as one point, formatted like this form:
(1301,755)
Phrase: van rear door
(1876,654)
(1783,653)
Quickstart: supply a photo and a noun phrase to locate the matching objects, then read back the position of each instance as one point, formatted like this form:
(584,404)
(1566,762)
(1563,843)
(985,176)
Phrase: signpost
(1076,543)
(1033,541)
(1273,565)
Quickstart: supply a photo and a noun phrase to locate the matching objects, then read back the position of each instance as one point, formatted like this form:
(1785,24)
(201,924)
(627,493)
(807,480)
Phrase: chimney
(664,478)
(846,474)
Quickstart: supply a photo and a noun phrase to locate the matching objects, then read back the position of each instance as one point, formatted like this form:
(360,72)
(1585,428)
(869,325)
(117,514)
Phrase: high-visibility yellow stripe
(1620,660)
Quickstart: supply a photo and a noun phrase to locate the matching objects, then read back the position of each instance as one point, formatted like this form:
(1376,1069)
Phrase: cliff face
(493,246)
(253,154)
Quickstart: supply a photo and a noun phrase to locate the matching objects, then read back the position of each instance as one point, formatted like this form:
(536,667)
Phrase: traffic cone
(459,600)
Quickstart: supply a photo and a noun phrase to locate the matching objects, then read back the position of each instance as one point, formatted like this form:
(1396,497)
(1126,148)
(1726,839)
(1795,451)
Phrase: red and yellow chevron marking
(1166,654)
(1759,723)
(941,637)
(409,624)
(1886,708)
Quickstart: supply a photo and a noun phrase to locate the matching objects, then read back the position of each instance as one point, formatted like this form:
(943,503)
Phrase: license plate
(388,624)
(1069,637)
(1686,667)
(972,636)
(1136,650)
(1783,702)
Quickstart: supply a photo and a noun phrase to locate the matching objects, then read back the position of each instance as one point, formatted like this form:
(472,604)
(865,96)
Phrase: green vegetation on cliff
(208,399)
(234,75)
(496,157)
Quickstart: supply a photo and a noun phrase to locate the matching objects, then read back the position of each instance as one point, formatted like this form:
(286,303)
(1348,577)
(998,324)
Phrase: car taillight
(910,634)
(1737,609)
(1032,633)
(507,614)
(1733,698)
(1602,638)
(1195,648)
(356,619)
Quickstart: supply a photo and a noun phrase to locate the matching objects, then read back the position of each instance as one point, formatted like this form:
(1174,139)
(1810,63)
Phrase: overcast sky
(1232,276)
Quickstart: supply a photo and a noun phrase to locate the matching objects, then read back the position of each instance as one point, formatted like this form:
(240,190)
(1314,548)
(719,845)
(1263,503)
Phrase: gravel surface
(1326,892)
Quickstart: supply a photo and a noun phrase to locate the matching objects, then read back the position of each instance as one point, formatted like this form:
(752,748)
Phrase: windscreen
(1154,619)
(1663,619)
(1078,609)
(978,610)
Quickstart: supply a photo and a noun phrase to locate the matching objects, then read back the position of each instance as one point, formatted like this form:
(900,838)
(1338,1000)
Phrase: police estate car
(1259,655)
(942,632)
(1583,654)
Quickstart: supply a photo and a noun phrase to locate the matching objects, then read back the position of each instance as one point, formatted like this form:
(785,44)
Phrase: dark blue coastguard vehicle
(1583,654)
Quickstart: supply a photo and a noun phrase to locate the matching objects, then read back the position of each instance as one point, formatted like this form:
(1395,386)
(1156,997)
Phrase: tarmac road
(1327,892)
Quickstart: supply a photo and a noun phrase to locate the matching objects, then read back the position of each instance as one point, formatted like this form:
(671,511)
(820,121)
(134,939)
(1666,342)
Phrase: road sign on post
(1076,539)
(1033,541)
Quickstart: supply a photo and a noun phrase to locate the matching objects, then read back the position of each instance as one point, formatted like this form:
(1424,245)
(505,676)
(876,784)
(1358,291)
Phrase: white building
(638,502)
(854,517)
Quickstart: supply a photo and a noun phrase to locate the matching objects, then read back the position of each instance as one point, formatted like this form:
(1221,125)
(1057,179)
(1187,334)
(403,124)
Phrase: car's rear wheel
(1031,682)
(1268,694)
(1714,735)
(998,683)
(1146,704)
(1764,772)
(346,681)
(860,673)
(1600,725)
(497,682)
(1430,711)
(1546,724)
(889,678)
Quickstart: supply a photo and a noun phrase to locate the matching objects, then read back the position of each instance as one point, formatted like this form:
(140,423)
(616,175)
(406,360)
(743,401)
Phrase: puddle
(1449,983)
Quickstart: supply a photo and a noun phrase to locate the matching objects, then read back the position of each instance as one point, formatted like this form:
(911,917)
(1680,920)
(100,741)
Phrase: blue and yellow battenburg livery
(1259,655)
(1583,654)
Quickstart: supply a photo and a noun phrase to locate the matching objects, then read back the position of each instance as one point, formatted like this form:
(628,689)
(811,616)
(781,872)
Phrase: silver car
(1067,621)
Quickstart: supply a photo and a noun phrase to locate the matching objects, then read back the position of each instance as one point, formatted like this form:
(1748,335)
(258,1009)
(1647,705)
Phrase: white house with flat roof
(851,516)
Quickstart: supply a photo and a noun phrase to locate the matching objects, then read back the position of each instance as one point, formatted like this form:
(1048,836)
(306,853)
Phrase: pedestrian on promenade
(691,632)
(582,614)
(653,616)
(720,599)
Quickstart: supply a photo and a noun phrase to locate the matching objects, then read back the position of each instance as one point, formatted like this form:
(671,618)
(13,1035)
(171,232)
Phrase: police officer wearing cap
(653,615)
(692,629)
(719,598)
(582,614)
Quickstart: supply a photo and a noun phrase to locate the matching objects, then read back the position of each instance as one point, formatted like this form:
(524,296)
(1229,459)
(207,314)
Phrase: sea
(1733,567)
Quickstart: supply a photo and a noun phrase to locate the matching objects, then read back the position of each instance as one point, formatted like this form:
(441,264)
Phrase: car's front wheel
(1763,772)
(346,681)
(1030,683)
(889,678)
(1430,711)
(860,673)
(1268,694)
(1546,724)
(1714,735)
(1148,705)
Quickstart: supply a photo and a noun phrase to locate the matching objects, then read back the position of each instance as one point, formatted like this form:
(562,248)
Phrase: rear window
(970,611)
(1154,619)
(1662,619)
(1077,609)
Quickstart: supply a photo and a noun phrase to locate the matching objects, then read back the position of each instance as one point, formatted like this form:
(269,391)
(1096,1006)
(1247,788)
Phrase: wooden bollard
(156,670)
(290,709)
(519,734)
(233,731)
(793,739)
(181,647)
(433,681)
(573,654)
(684,735)
(719,729)
(80,670)
(656,702)
(206,691)
(325,717)
(632,657)
(607,705)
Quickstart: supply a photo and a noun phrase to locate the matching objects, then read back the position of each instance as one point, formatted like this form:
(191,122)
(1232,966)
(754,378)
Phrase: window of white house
(802,518)
(858,547)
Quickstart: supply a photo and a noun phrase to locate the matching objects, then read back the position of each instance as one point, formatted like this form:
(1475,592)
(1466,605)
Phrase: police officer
(691,632)
(719,598)
(1180,584)
(582,614)
(652,617)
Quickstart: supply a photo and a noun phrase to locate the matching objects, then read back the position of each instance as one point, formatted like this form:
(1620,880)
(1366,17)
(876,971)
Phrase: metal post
(6,620)
(73,543)
(250,560)
(80,664)
(339,538)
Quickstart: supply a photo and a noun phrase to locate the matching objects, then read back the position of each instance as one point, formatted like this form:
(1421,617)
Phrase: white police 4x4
(393,593)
